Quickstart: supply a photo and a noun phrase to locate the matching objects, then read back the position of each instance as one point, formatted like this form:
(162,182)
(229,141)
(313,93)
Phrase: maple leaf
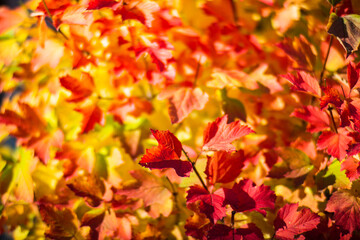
(223,232)
(166,155)
(183,101)
(318,120)
(290,222)
(224,167)
(211,204)
(304,82)
(89,186)
(218,135)
(149,188)
(246,196)
(335,144)
(346,208)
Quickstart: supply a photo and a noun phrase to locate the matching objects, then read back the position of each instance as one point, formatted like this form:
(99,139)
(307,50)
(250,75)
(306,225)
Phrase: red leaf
(80,89)
(211,204)
(304,82)
(224,167)
(223,232)
(335,144)
(290,222)
(139,10)
(352,74)
(246,196)
(351,166)
(166,155)
(183,101)
(92,115)
(218,135)
(346,209)
(97,4)
(331,95)
(318,120)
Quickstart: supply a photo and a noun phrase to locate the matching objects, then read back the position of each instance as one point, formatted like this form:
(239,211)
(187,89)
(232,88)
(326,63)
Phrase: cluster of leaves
(144,119)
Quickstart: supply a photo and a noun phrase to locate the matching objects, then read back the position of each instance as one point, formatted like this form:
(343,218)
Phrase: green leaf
(347,31)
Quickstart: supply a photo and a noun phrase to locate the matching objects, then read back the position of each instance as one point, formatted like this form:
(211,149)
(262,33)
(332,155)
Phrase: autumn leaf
(211,204)
(45,143)
(346,208)
(183,101)
(89,186)
(61,223)
(166,155)
(92,115)
(218,135)
(318,120)
(148,188)
(223,232)
(347,30)
(246,196)
(353,72)
(290,222)
(224,167)
(351,166)
(80,89)
(335,144)
(304,82)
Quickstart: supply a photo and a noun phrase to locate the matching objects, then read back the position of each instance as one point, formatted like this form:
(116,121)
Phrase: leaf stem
(332,118)
(47,9)
(197,71)
(236,17)
(233,223)
(196,171)
(326,59)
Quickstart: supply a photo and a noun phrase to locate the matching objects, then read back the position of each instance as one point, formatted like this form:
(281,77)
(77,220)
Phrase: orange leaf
(183,101)
(218,135)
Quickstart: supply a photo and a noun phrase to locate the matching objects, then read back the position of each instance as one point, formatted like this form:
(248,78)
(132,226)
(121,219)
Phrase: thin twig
(197,71)
(234,11)
(233,223)
(47,9)
(196,171)
(326,59)
(332,118)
